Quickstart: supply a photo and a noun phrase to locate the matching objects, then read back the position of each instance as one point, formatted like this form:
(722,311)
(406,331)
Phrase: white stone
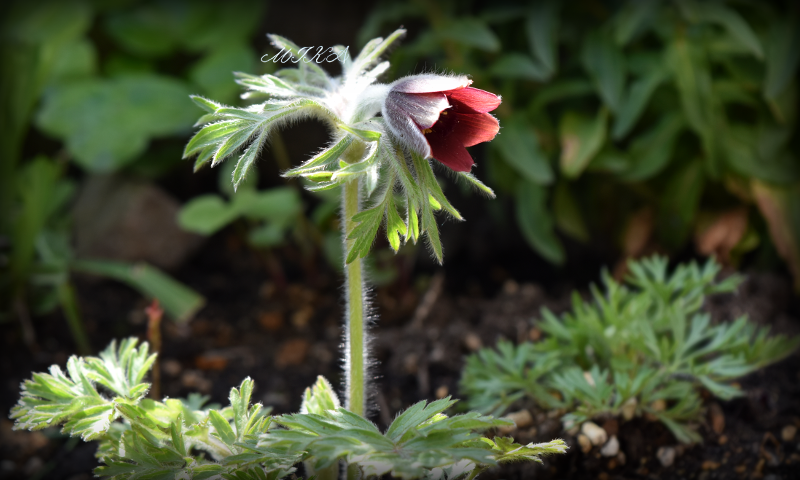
(611,448)
(629,408)
(596,434)
(666,455)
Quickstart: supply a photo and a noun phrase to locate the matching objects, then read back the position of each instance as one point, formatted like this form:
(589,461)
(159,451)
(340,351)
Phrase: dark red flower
(439,116)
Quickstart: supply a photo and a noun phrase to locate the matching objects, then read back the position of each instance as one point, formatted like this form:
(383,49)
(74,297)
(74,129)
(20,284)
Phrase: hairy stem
(356,360)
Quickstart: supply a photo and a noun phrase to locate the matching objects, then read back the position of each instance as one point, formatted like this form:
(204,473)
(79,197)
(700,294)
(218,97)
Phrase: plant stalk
(355,363)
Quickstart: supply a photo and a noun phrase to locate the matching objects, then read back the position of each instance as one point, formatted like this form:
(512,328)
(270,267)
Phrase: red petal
(474,128)
(450,151)
(475,99)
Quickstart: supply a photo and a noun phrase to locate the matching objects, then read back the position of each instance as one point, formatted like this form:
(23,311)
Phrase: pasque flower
(438,116)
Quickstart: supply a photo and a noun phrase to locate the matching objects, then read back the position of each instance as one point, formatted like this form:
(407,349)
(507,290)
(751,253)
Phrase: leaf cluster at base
(645,348)
(178,438)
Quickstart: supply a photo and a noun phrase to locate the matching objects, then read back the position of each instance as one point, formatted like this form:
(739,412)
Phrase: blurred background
(627,128)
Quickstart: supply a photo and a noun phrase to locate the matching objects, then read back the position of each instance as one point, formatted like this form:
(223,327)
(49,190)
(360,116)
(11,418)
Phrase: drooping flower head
(439,116)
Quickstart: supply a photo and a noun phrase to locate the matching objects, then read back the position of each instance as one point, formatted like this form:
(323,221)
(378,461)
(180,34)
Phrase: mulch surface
(284,334)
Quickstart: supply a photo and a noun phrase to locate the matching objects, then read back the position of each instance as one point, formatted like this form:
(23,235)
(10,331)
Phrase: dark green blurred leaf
(36,186)
(153,29)
(541,27)
(610,160)
(69,305)
(386,14)
(178,300)
(679,202)
(266,236)
(470,32)
(651,152)
(157,29)
(717,12)
(568,214)
(107,123)
(762,153)
(519,147)
(280,204)
(518,66)
(635,102)
(536,223)
(634,19)
(205,214)
(604,62)
(230,22)
(502,13)
(560,90)
(730,92)
(44,22)
(581,138)
(783,55)
(214,72)
(692,75)
(72,61)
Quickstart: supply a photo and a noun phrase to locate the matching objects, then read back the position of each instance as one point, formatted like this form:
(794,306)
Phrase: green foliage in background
(103,79)
(271,212)
(644,347)
(686,108)
(103,399)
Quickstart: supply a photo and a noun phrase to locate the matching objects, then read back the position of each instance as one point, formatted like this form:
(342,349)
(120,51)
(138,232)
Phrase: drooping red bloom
(439,116)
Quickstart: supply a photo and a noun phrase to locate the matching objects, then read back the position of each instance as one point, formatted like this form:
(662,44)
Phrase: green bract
(634,345)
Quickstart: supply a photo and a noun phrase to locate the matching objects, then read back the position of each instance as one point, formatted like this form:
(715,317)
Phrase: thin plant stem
(355,363)
(69,305)
(154,314)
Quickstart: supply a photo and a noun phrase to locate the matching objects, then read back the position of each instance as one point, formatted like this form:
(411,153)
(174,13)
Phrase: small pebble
(659,405)
(710,465)
(596,435)
(717,418)
(611,448)
(629,408)
(271,321)
(621,458)
(292,352)
(302,317)
(442,392)
(473,342)
(211,361)
(522,419)
(585,443)
(194,380)
(666,455)
(171,367)
(788,433)
(535,334)
(510,287)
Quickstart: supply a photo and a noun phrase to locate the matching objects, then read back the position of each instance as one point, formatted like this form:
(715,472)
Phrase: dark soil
(284,336)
